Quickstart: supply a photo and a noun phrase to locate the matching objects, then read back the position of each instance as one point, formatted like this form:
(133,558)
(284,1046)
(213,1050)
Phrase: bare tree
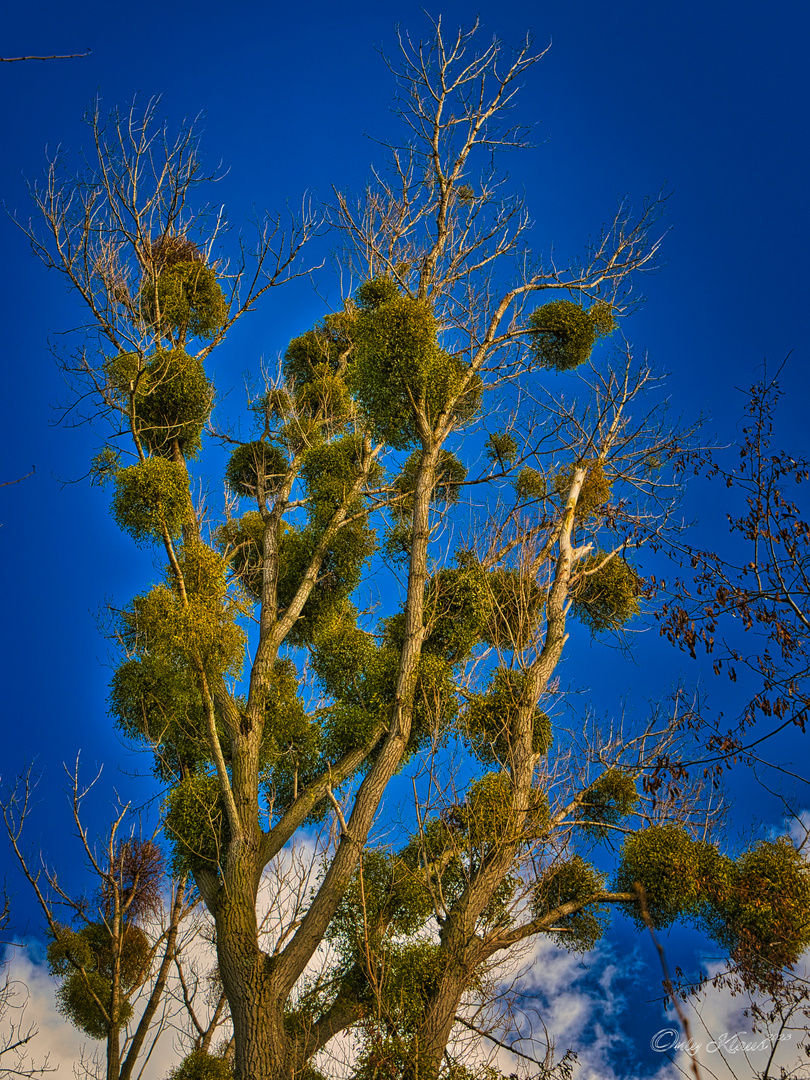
(113,949)
(746,606)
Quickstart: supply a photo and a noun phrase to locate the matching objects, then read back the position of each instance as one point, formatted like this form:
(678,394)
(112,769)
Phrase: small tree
(114,951)
(417,431)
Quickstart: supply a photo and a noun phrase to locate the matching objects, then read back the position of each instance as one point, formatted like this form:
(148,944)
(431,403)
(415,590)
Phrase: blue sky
(709,99)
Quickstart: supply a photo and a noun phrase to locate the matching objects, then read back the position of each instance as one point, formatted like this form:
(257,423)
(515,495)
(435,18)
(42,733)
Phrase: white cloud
(33,1005)
(572,1004)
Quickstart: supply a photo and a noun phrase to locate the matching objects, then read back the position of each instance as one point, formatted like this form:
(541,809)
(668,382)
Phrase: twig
(32,470)
(505,1045)
(55,56)
(641,892)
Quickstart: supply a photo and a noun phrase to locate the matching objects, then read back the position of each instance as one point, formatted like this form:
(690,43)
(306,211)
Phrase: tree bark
(262,1044)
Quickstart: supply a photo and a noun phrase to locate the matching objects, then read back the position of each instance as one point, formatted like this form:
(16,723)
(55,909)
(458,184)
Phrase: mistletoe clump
(490,817)
(761,918)
(594,492)
(501,448)
(157,702)
(608,800)
(85,960)
(200,1065)
(467,605)
(256,466)
(390,968)
(449,475)
(169,397)
(241,541)
(456,609)
(385,897)
(531,484)
(754,906)
(175,403)
(491,719)
(291,743)
(681,877)
(326,348)
(362,711)
(341,651)
(180,293)
(195,824)
(573,881)
(605,592)
(330,472)
(413,970)
(398,364)
(126,374)
(190,624)
(340,575)
(563,334)
(377,291)
(285,716)
(151,497)
(516,604)
(325,395)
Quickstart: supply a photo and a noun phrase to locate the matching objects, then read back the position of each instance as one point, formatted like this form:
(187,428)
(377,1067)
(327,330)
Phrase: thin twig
(55,56)
(498,1042)
(32,470)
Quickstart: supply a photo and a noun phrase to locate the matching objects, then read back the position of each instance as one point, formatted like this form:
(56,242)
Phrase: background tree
(747,606)
(436,379)
(115,949)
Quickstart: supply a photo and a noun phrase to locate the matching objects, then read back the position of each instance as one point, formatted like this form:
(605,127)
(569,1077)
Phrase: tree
(418,431)
(747,606)
(114,950)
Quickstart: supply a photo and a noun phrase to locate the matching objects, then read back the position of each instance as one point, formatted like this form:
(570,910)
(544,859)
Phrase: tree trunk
(434,1032)
(262,1045)
(113,1052)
